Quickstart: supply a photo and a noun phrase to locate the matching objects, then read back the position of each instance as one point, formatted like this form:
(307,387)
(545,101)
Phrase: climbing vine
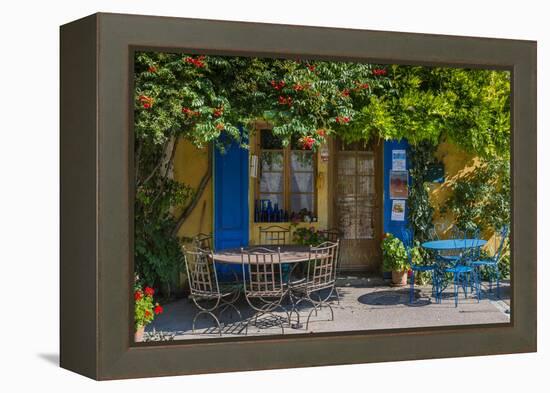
(421,156)
(481,198)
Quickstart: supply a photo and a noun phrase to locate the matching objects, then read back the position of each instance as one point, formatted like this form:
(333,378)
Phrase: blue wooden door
(231,198)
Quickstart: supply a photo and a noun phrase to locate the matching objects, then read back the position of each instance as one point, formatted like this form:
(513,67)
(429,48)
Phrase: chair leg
(455,279)
(411,293)
(497,272)
(213,317)
(337,295)
(477,283)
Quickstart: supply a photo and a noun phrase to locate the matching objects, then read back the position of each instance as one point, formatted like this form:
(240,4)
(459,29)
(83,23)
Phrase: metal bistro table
(229,261)
(451,245)
(290,254)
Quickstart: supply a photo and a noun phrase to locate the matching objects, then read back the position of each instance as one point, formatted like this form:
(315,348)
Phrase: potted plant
(308,236)
(145,310)
(395,259)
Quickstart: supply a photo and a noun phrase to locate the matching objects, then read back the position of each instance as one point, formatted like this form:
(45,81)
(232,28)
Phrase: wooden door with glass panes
(357,203)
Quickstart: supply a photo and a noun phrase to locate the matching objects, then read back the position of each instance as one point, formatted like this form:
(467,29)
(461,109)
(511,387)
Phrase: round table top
(454,244)
(289,254)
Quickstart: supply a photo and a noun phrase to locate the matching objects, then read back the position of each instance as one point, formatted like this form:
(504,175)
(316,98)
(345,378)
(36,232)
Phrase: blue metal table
(443,262)
(453,244)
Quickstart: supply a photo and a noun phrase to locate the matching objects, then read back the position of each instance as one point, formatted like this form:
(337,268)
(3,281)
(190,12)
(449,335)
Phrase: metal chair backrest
(408,241)
(503,237)
(471,236)
(321,269)
(203,241)
(407,237)
(331,235)
(457,233)
(274,235)
(201,272)
(262,272)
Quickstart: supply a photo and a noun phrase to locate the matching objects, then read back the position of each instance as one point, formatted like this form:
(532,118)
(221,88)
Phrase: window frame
(287,171)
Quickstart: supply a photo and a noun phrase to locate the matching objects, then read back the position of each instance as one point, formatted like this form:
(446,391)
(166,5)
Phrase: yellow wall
(190,164)
(457,164)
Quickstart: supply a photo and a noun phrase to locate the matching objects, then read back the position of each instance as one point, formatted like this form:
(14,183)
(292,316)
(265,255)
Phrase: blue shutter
(231,197)
(393,227)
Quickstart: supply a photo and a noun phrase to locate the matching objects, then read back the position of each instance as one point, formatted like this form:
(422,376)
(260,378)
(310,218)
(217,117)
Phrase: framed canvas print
(242,196)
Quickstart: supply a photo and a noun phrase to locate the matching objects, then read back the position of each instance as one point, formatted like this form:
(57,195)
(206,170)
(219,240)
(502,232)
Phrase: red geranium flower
(138,295)
(218,112)
(149,291)
(343,119)
(285,100)
(321,132)
(158,309)
(307,142)
(277,85)
(198,62)
(147,313)
(152,69)
(189,112)
(311,67)
(146,102)
(345,93)
(300,87)
(379,71)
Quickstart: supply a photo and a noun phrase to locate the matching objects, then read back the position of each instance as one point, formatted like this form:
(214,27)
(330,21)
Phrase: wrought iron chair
(457,266)
(264,288)
(452,256)
(333,235)
(205,288)
(491,264)
(407,235)
(320,276)
(203,241)
(274,235)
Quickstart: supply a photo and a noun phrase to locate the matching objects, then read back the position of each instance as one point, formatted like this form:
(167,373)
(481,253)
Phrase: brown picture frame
(96,196)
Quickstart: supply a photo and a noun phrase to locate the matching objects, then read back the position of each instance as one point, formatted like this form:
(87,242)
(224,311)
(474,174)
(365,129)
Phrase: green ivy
(420,212)
(481,199)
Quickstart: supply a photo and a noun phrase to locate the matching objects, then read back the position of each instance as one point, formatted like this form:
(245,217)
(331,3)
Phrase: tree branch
(198,194)
(166,172)
(156,168)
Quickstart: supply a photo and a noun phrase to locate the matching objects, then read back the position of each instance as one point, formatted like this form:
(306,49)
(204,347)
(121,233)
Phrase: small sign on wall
(398,210)
(399,160)
(399,184)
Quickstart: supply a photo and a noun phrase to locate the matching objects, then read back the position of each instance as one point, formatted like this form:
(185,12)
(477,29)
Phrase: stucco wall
(457,164)
(190,164)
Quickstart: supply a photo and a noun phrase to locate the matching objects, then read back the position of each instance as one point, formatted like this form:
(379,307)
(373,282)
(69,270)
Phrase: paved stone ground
(365,304)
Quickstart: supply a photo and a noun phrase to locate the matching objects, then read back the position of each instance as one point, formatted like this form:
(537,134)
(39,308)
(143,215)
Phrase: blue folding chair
(407,235)
(491,264)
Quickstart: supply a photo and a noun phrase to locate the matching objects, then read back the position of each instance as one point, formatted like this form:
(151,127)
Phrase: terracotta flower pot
(138,336)
(399,279)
